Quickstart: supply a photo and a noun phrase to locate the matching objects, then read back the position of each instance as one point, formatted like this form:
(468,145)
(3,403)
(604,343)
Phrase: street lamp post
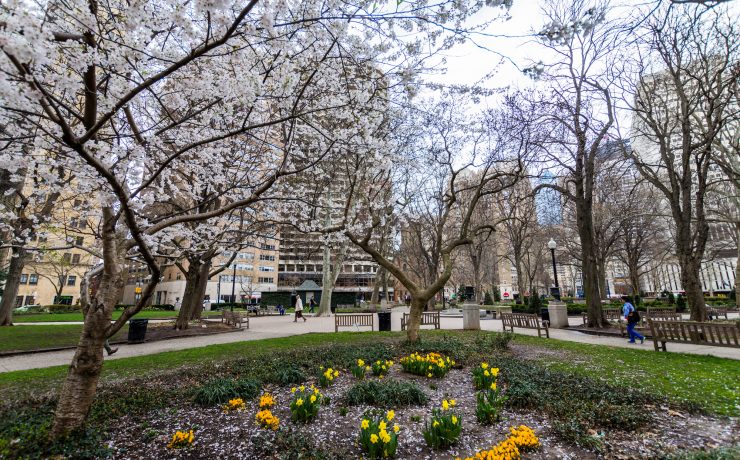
(233,288)
(552,245)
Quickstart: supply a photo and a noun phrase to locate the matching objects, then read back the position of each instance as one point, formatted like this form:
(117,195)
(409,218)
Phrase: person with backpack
(632,317)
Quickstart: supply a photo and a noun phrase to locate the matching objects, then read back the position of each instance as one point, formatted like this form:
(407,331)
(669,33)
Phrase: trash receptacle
(333,309)
(137,330)
(384,321)
(545,314)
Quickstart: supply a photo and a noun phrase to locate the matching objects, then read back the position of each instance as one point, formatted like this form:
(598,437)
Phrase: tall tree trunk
(520,280)
(12,282)
(375,296)
(691,283)
(189,296)
(584,223)
(412,327)
(601,270)
(78,391)
(200,290)
(329,277)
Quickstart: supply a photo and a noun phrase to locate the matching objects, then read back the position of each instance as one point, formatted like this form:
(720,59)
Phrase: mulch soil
(236,435)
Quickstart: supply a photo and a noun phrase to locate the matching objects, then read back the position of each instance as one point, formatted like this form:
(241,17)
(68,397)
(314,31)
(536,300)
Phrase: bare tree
(684,99)
(452,156)
(577,116)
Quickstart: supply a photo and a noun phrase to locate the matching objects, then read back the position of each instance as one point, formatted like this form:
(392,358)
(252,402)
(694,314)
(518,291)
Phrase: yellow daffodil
(396,428)
(299,402)
(493,386)
(484,365)
(445,404)
(365,424)
(312,399)
(293,390)
(454,420)
(382,425)
(374,438)
(390,415)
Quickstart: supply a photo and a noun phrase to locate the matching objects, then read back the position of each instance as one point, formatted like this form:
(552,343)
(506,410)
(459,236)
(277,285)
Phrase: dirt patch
(236,435)
(164,331)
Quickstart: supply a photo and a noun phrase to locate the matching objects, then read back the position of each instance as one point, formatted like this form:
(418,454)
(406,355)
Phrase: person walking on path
(311,305)
(108,348)
(299,309)
(632,317)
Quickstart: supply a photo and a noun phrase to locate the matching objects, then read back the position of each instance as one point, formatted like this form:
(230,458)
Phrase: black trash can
(384,321)
(545,314)
(333,309)
(137,330)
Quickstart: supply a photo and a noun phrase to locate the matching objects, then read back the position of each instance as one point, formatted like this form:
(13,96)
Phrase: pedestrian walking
(632,317)
(108,348)
(311,305)
(298,309)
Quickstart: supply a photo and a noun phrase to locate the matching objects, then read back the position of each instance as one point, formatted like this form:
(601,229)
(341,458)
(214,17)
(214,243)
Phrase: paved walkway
(266,327)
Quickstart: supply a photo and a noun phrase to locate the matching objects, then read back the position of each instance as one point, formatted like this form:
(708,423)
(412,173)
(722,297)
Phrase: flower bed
(431,365)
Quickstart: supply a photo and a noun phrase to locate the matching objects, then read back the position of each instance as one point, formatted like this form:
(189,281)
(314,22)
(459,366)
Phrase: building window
(266,280)
(24,278)
(33,279)
(268,269)
(245,256)
(71,280)
(80,240)
(178,276)
(267,257)
(30,300)
(82,223)
(67,257)
(77,203)
(19,301)
(42,238)
(268,247)
(75,258)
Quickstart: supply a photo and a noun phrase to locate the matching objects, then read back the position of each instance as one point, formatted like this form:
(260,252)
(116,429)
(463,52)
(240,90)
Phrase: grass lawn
(71,317)
(24,338)
(712,383)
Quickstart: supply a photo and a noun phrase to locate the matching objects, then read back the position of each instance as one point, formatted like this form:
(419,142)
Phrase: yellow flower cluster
(265,419)
(266,401)
(522,439)
(380,368)
(235,404)
(484,377)
(181,439)
(377,438)
(431,364)
(505,450)
(328,376)
(447,403)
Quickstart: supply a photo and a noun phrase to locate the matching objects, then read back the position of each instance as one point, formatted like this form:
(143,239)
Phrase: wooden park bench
(611,314)
(354,320)
(656,314)
(235,319)
(525,321)
(716,312)
(428,318)
(697,333)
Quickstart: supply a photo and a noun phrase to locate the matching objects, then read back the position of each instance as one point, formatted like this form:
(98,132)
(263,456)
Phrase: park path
(266,327)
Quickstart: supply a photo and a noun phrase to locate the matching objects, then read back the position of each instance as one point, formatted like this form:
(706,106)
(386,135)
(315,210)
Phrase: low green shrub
(63,308)
(24,434)
(162,307)
(219,391)
(386,393)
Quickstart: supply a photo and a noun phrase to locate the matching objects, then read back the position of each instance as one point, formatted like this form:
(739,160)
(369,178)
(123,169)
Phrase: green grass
(71,317)
(25,338)
(712,383)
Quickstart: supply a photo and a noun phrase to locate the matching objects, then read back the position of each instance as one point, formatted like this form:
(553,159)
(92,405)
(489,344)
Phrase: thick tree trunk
(417,308)
(329,277)
(190,294)
(375,296)
(12,282)
(691,283)
(200,291)
(78,391)
(584,222)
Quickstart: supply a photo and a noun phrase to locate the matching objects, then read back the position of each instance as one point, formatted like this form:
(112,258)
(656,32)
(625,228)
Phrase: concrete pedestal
(471,317)
(558,314)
